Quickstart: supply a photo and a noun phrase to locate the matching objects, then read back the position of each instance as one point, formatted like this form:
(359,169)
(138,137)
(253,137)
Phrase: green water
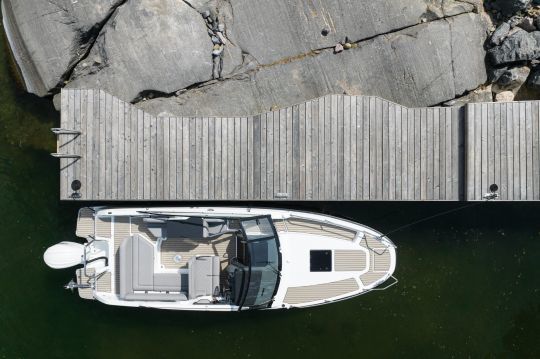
(469,282)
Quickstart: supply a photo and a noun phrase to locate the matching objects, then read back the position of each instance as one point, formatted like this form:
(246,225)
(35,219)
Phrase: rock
(534,78)
(510,7)
(493,73)
(49,37)
(420,66)
(512,79)
(157,45)
(536,22)
(338,48)
(500,33)
(275,30)
(527,24)
(505,96)
(481,94)
(519,46)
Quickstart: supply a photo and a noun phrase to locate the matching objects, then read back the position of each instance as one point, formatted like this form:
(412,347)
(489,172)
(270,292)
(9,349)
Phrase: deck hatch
(320,261)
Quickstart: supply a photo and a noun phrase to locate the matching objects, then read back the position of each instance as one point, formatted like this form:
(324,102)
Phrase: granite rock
(481,94)
(510,7)
(150,45)
(519,46)
(49,37)
(534,78)
(512,79)
(500,33)
(419,66)
(505,96)
(273,31)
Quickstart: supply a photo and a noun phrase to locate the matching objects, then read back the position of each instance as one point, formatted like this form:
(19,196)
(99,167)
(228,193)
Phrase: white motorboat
(222,258)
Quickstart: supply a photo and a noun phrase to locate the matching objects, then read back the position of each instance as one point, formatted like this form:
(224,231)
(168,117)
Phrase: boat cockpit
(251,275)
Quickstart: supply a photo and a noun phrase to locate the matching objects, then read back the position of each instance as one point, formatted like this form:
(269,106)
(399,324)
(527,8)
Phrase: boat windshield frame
(246,283)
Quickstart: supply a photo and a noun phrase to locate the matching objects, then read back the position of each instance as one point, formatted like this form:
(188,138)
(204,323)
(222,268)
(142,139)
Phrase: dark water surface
(469,282)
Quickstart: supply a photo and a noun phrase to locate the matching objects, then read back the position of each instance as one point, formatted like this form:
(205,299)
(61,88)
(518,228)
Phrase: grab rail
(64,131)
(395,281)
(65,155)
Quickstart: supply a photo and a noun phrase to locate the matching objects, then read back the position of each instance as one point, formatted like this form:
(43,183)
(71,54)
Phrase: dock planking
(337,147)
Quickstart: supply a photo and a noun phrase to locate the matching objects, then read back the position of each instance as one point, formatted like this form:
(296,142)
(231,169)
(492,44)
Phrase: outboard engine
(64,255)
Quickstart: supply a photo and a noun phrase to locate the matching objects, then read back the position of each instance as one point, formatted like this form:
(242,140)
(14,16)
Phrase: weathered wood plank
(282,161)
(346,148)
(256,147)
(412,118)
(218,158)
(436,151)
(372,181)
(535,116)
(231,158)
(519,137)
(278,154)
(417,154)
(496,120)
(391,150)
(338,145)
(164,132)
(180,158)
(269,188)
(510,149)
(323,134)
(81,145)
(122,155)
(315,155)
(366,150)
(354,147)
(157,154)
(113,192)
(197,184)
(429,154)
(205,181)
(295,154)
(455,152)
(423,154)
(503,185)
(442,154)
(172,159)
(528,152)
(379,123)
(385,151)
(327,173)
(308,182)
(299,151)
(404,154)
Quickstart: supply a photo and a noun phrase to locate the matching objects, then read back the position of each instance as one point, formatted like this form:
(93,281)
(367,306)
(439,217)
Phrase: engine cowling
(64,255)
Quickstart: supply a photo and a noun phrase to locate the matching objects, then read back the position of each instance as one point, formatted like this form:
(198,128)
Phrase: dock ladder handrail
(64,131)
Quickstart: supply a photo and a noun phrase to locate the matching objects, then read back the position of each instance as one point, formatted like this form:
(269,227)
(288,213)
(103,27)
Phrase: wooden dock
(337,147)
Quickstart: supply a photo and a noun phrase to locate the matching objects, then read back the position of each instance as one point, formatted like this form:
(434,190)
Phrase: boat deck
(375,265)
(176,252)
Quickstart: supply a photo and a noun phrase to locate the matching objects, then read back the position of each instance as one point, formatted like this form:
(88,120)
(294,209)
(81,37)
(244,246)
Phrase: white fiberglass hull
(322,259)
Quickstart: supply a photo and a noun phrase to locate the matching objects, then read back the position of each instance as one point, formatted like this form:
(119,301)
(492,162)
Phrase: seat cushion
(136,255)
(142,264)
(167,282)
(203,275)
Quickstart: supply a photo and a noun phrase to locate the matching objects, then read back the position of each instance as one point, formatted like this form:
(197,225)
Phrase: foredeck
(372,259)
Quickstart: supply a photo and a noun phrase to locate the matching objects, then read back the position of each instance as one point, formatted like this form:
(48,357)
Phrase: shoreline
(16,49)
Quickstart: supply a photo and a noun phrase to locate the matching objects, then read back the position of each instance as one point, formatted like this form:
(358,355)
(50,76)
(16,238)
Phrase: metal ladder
(64,131)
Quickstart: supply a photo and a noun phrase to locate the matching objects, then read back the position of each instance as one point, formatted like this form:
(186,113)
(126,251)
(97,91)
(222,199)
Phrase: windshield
(264,262)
